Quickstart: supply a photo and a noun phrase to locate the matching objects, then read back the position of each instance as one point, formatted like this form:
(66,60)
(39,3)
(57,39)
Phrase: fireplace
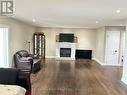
(65,52)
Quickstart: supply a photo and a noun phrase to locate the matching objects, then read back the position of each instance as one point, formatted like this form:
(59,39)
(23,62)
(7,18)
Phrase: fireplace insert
(65,52)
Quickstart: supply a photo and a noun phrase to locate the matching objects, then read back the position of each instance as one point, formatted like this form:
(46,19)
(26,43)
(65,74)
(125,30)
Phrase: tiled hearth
(66,46)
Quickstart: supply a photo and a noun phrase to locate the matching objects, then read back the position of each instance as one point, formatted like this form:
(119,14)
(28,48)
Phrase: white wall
(86,38)
(19,34)
(100,45)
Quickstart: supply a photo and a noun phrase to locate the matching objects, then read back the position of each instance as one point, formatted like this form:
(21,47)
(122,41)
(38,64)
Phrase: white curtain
(4,47)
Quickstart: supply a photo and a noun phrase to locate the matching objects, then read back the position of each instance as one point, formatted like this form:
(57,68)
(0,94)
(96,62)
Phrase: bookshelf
(39,44)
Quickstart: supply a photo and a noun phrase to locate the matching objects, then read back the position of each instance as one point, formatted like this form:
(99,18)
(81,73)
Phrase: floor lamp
(29,46)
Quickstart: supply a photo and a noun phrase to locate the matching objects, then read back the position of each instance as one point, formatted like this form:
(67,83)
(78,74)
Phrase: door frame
(121,48)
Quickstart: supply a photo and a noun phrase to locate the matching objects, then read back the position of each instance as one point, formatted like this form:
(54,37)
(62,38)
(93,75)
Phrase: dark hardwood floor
(80,77)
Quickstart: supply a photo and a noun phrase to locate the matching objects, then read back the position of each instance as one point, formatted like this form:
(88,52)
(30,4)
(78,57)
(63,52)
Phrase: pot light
(121,24)
(118,11)
(97,22)
(33,20)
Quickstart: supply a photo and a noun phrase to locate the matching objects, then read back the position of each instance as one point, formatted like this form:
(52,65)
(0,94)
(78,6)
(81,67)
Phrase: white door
(112,47)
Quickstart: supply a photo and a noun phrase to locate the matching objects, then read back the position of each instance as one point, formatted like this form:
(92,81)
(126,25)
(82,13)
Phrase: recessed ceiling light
(33,20)
(97,22)
(118,11)
(121,24)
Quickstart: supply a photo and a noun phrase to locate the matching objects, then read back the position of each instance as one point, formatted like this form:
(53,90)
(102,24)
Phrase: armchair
(25,61)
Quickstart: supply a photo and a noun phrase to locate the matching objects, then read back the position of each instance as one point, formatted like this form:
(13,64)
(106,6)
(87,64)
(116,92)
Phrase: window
(4,47)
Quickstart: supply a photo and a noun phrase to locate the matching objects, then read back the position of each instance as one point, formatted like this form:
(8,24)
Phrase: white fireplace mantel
(65,45)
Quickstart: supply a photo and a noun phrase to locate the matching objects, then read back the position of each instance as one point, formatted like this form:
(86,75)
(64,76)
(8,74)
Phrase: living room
(92,31)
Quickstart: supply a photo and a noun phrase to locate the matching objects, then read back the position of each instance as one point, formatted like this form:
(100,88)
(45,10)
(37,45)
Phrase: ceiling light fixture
(118,11)
(33,20)
(97,22)
(121,24)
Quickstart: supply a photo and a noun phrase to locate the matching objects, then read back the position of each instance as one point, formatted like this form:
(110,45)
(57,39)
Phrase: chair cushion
(36,65)
(8,75)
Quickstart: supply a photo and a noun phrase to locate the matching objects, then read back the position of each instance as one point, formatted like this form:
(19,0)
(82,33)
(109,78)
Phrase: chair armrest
(24,79)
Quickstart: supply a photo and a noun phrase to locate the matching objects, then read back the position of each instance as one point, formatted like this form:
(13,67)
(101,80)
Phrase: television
(66,37)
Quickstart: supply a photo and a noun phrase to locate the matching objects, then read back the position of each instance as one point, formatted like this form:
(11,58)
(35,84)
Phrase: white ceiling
(71,13)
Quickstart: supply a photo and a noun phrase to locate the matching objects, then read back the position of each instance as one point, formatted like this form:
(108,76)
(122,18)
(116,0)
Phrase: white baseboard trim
(98,61)
(61,58)
(65,58)
(104,64)
(124,80)
(111,65)
(50,56)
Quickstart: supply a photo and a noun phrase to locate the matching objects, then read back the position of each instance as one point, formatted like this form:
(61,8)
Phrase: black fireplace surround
(65,52)
(80,54)
(83,54)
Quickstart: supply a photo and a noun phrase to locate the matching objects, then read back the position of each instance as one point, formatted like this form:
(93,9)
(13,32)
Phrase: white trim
(104,64)
(124,80)
(111,64)
(64,58)
(124,75)
(50,56)
(61,58)
(98,61)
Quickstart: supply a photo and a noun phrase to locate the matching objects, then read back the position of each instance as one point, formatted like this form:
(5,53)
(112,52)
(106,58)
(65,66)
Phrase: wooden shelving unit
(39,44)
